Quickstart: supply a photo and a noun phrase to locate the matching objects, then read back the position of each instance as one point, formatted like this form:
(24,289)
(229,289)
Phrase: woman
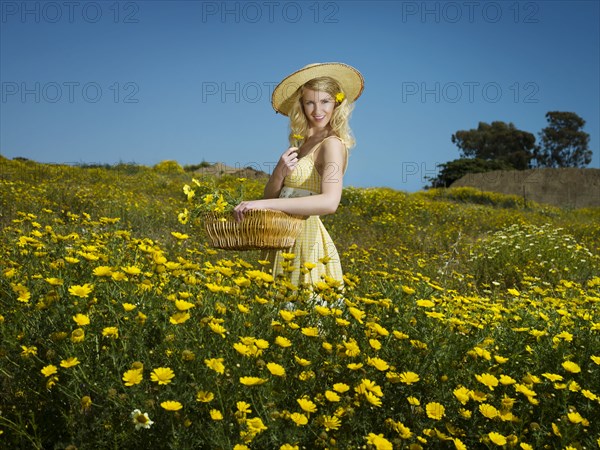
(308,178)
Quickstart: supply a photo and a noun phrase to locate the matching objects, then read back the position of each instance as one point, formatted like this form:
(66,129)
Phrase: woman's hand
(243,207)
(288,161)
(286,165)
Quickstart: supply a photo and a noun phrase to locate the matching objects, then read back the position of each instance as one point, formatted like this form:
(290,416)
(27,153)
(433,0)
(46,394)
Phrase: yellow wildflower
(575,417)
(171,405)
(111,332)
(81,319)
(310,331)
(28,351)
(435,410)
(217,328)
(409,377)
(276,369)
(488,411)
(506,380)
(413,401)
(303,362)
(331,422)
(282,341)
(497,438)
(204,396)
(332,396)
(341,387)
(255,425)
(553,377)
(216,364)
(69,362)
(488,380)
(182,305)
(215,414)
(307,405)
(102,271)
(462,394)
(252,381)
(81,291)
(354,366)
(299,419)
(179,318)
(49,370)
(570,366)
(408,290)
(379,442)
(357,314)
(132,377)
(162,375)
(77,335)
(379,364)
(375,344)
(131,270)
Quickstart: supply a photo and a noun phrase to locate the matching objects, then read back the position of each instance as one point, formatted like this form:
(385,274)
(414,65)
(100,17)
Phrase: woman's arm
(333,155)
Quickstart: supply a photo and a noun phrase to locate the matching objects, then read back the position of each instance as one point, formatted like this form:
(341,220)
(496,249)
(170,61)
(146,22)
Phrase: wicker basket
(260,229)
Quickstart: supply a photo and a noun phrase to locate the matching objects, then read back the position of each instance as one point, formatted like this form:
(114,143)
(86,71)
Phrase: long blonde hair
(339,119)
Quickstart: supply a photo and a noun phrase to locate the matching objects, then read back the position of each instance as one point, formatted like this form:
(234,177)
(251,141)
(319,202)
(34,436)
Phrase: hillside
(219,169)
(567,187)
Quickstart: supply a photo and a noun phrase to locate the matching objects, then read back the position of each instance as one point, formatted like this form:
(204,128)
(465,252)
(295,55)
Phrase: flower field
(467,320)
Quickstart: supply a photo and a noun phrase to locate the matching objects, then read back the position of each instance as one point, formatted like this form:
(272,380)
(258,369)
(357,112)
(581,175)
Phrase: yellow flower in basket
(220,205)
(260,229)
(187,190)
(205,197)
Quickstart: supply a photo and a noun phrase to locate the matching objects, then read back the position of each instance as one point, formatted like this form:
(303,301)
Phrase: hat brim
(350,80)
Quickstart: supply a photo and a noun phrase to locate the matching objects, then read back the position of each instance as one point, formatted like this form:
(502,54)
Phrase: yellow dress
(314,244)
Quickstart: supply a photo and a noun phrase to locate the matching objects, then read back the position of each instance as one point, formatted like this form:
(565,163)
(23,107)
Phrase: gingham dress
(314,245)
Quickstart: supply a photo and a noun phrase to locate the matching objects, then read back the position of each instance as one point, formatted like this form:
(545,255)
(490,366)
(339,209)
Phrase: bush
(168,167)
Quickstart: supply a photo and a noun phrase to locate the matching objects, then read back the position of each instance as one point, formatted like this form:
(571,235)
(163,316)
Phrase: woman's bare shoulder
(333,145)
(332,152)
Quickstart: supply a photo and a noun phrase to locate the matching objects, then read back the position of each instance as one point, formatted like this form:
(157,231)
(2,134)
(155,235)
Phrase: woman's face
(318,107)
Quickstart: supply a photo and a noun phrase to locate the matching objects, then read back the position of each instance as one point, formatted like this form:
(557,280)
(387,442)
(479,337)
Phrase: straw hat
(350,80)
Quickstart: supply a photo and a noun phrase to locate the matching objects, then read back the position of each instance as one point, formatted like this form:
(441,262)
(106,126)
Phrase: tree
(454,170)
(563,142)
(498,141)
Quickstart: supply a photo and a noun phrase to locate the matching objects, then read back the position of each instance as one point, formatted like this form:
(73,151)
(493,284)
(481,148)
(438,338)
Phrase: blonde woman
(308,178)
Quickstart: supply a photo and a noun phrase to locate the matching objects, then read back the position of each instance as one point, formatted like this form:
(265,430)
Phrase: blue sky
(146,81)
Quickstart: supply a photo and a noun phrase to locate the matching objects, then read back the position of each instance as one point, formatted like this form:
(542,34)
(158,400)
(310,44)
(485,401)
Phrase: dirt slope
(219,169)
(568,187)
